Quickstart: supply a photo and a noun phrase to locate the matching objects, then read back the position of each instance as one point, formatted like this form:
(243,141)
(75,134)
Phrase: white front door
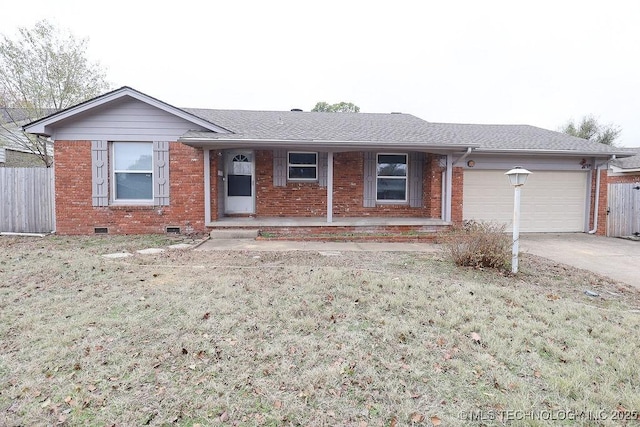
(239,182)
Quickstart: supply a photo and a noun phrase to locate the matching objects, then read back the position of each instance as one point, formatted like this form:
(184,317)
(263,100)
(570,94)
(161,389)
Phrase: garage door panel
(552,201)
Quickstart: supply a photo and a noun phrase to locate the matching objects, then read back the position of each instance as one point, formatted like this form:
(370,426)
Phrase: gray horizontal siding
(125,120)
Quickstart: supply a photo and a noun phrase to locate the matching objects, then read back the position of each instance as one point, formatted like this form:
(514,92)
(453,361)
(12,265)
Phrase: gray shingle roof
(522,137)
(11,136)
(632,162)
(310,126)
(401,128)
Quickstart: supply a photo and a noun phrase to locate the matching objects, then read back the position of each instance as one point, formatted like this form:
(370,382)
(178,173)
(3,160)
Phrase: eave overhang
(617,169)
(322,145)
(546,152)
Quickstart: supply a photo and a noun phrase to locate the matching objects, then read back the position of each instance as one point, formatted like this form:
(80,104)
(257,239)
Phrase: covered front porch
(343,195)
(256,222)
(340,229)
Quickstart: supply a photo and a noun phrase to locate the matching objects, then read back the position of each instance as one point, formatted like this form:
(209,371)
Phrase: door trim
(228,155)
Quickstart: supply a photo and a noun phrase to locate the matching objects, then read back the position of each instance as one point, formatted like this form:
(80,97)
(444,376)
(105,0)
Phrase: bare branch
(42,71)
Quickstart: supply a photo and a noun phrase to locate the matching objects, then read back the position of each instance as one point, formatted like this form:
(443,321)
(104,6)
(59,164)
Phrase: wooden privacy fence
(27,200)
(624,210)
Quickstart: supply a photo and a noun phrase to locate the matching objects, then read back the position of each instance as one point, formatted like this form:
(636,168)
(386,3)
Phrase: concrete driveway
(618,259)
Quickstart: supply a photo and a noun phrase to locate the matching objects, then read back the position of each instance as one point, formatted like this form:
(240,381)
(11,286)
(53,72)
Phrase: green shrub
(479,244)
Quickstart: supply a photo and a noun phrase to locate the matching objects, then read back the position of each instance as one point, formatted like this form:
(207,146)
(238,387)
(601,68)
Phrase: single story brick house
(129,163)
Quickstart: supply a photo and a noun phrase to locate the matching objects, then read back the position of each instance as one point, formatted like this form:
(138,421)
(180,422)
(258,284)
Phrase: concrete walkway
(618,259)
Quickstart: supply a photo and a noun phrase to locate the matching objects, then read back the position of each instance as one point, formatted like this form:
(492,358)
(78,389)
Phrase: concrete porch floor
(322,222)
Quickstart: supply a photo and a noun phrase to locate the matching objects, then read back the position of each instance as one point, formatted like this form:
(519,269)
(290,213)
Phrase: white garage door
(551,201)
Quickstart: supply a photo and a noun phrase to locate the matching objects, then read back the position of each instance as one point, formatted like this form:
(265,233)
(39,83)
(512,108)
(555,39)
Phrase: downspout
(330,187)
(207,187)
(597,201)
(464,156)
(447,183)
(448,187)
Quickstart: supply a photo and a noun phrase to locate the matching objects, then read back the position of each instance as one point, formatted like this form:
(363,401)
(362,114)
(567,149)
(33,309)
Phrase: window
(302,166)
(133,171)
(391,177)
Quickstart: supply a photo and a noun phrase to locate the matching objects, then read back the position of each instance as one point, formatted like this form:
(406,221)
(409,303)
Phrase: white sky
(507,62)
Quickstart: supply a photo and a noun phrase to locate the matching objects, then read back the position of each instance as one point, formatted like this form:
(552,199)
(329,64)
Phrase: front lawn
(301,338)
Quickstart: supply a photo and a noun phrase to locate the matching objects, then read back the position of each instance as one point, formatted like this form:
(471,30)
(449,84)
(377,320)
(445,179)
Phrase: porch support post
(207,186)
(330,186)
(449,187)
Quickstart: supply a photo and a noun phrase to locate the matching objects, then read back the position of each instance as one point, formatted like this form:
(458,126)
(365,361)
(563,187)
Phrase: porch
(340,229)
(257,222)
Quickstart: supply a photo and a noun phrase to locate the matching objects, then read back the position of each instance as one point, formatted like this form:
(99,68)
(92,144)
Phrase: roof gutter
(464,156)
(527,151)
(329,144)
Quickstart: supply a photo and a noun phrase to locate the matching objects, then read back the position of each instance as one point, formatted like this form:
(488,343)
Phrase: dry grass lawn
(272,339)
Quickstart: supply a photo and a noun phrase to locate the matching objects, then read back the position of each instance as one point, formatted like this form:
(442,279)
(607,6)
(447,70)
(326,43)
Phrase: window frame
(113,173)
(405,178)
(315,166)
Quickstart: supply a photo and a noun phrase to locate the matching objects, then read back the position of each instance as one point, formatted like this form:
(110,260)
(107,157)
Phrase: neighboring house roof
(11,120)
(19,115)
(345,130)
(9,133)
(629,163)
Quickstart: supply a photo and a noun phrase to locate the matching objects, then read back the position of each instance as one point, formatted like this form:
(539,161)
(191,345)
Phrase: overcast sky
(506,62)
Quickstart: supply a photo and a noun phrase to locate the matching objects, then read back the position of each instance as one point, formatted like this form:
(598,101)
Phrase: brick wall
(456,194)
(309,199)
(301,199)
(602,203)
(214,164)
(625,179)
(76,215)
(432,189)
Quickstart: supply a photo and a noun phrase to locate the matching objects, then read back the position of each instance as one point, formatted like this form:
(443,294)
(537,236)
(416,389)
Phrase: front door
(239,182)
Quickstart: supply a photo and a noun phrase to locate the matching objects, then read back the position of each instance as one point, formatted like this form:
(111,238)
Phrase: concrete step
(230,233)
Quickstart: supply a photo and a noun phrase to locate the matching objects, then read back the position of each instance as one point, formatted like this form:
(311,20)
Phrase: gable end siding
(125,120)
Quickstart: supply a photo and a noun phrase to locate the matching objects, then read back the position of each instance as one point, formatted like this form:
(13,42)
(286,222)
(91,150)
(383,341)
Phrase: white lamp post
(517,177)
